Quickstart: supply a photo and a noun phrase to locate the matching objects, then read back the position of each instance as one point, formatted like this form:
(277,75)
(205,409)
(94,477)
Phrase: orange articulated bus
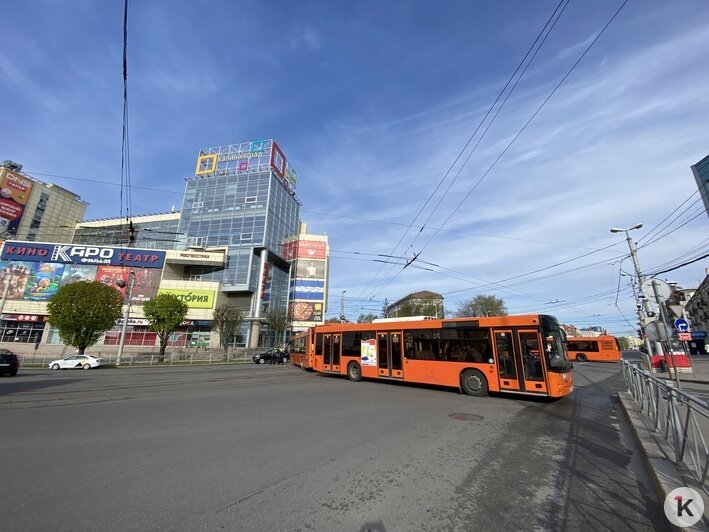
(515,354)
(595,349)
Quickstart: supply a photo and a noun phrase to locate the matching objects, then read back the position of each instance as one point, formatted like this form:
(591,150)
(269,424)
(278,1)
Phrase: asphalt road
(277,448)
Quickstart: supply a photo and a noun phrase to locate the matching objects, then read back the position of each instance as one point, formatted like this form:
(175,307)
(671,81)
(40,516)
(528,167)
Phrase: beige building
(35,211)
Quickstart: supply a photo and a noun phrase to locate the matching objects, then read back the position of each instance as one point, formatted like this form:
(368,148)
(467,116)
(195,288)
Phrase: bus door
(532,367)
(331,352)
(507,362)
(390,351)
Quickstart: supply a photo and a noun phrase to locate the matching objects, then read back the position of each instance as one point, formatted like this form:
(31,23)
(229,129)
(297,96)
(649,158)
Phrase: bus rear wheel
(354,372)
(473,383)
(581,357)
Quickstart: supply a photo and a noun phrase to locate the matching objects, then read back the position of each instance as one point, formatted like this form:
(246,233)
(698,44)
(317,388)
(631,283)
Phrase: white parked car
(76,362)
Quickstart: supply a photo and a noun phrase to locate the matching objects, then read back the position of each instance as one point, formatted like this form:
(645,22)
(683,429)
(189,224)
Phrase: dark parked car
(266,356)
(9,362)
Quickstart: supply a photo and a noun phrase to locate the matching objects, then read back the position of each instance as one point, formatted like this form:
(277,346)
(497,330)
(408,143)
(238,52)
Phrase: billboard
(14,192)
(303,311)
(251,156)
(76,254)
(310,269)
(39,281)
(307,289)
(43,281)
(193,298)
(304,249)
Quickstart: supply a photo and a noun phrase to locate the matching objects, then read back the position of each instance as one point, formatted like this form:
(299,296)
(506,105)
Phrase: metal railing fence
(676,415)
(151,357)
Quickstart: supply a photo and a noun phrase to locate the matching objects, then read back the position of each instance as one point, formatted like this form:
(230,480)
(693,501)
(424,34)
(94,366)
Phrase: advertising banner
(310,269)
(193,298)
(306,312)
(145,285)
(73,273)
(14,192)
(307,249)
(368,352)
(43,281)
(75,254)
(307,289)
(110,274)
(16,273)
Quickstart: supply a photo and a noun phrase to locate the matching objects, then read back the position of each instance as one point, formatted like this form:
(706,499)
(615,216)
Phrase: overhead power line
(465,146)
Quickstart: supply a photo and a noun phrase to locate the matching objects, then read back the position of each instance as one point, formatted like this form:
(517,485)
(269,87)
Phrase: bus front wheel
(354,372)
(581,357)
(473,383)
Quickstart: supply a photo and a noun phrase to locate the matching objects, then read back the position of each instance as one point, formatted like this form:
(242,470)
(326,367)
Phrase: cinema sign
(75,254)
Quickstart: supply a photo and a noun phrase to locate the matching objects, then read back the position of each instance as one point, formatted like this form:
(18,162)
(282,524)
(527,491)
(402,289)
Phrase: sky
(373,103)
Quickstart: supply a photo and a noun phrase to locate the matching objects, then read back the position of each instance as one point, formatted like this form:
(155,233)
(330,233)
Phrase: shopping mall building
(237,240)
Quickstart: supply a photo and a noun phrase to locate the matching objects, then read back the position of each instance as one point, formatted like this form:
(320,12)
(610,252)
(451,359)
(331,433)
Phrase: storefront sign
(71,254)
(22,317)
(193,298)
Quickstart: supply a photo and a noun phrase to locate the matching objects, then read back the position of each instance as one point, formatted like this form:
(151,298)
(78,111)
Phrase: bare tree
(278,321)
(227,320)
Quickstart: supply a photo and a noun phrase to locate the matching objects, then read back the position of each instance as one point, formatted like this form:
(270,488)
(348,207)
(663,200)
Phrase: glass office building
(152,231)
(701,176)
(242,197)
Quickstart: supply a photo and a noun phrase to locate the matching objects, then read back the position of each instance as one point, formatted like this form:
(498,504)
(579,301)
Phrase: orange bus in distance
(514,354)
(298,348)
(595,349)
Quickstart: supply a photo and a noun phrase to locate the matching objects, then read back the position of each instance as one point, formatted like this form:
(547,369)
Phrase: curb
(664,474)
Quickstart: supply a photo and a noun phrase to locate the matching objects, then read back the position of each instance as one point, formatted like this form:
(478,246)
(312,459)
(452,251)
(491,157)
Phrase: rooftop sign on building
(253,156)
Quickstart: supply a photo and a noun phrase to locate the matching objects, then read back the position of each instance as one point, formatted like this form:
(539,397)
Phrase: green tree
(83,311)
(482,305)
(624,343)
(278,321)
(420,308)
(366,318)
(227,320)
(164,313)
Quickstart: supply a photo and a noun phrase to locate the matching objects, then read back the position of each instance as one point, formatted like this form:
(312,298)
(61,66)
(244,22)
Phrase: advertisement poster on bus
(73,273)
(303,311)
(310,269)
(111,274)
(43,281)
(14,192)
(369,352)
(145,285)
(16,273)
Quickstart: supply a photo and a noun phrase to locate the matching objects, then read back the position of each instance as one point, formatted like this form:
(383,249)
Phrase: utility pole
(126,315)
(645,310)
(342,306)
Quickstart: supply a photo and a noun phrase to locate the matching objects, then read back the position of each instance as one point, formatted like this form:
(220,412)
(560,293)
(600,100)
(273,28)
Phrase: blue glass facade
(247,213)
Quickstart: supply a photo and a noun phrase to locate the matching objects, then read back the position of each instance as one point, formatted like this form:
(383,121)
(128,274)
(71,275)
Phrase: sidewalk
(658,456)
(700,374)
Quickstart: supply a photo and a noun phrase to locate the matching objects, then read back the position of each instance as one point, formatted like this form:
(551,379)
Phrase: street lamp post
(126,316)
(342,306)
(646,309)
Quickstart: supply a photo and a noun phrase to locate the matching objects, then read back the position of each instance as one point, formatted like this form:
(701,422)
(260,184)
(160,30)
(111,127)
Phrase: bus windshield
(555,349)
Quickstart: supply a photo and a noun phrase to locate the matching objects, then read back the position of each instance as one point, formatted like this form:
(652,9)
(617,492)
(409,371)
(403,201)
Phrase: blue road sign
(681,325)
